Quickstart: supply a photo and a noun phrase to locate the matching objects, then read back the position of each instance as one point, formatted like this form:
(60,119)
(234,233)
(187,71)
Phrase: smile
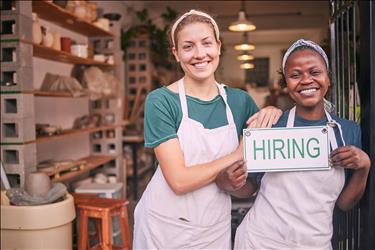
(200,64)
(308,91)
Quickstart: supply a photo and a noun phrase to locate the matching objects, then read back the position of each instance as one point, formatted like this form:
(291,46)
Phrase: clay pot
(80,11)
(37,184)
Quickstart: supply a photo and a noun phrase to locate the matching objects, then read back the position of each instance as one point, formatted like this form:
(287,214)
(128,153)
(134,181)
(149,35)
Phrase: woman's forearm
(353,192)
(182,178)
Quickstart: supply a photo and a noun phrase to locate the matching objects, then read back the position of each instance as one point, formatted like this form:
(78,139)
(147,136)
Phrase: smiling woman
(293,210)
(194,126)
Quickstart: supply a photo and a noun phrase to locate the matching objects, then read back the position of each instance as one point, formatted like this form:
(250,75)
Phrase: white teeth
(306,91)
(202,64)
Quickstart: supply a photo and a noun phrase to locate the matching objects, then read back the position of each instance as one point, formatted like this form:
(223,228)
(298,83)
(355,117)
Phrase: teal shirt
(163,114)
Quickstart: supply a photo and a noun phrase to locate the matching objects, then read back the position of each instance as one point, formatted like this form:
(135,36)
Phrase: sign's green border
(286,168)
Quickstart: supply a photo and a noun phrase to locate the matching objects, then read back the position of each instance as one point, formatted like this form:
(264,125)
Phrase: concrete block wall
(11,7)
(17,131)
(16,54)
(18,159)
(16,78)
(15,27)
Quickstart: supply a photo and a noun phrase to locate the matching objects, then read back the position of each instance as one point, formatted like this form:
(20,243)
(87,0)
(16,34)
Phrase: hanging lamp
(245,57)
(242,24)
(245,45)
(247,65)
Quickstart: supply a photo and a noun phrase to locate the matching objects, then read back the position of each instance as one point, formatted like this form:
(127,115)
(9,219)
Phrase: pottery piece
(47,37)
(56,41)
(80,50)
(37,31)
(37,184)
(80,11)
(66,43)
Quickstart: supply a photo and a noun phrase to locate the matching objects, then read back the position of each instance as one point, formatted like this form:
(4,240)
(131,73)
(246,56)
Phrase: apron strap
(223,94)
(181,93)
(330,125)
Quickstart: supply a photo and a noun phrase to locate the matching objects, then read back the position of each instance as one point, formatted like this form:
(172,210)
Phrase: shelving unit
(92,162)
(18,138)
(73,132)
(62,56)
(55,14)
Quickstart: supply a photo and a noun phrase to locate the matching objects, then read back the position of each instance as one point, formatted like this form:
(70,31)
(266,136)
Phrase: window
(259,74)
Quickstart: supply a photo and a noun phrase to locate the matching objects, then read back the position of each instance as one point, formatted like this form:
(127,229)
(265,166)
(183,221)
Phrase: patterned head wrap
(194,12)
(310,44)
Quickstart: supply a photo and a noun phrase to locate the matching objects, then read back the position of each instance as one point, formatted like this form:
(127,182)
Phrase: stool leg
(83,234)
(124,223)
(107,230)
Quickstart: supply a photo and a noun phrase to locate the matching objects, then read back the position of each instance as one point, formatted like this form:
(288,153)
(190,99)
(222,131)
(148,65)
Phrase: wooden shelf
(60,16)
(55,94)
(73,132)
(133,138)
(62,56)
(92,162)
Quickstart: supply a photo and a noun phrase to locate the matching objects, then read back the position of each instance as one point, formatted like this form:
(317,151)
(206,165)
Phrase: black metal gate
(352,58)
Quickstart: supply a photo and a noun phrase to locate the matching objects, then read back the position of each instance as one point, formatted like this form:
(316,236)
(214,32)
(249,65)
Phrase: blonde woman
(194,126)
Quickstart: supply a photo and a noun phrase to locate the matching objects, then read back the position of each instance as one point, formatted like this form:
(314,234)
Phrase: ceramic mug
(80,50)
(66,43)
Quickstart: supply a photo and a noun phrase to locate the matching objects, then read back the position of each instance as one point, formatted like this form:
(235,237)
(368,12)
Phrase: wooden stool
(102,209)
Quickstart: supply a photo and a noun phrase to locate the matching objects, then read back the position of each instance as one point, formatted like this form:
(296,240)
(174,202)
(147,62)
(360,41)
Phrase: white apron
(200,219)
(293,210)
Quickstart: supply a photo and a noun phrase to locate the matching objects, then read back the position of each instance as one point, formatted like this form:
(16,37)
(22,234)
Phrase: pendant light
(245,45)
(245,57)
(247,65)
(242,24)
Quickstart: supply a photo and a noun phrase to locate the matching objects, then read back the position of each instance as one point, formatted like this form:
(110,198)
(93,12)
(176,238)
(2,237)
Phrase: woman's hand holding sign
(233,178)
(350,157)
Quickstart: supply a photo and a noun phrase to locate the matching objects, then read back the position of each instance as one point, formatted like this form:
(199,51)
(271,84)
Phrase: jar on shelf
(37,30)
(56,41)
(47,37)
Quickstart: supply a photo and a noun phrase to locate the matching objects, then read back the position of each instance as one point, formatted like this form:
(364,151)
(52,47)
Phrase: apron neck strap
(181,92)
(330,124)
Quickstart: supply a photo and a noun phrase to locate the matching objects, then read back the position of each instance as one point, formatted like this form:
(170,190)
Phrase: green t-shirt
(163,114)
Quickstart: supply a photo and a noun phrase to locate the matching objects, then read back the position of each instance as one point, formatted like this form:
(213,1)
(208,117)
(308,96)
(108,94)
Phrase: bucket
(38,227)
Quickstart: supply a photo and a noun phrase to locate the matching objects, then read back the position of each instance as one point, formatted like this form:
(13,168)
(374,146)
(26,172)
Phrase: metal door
(353,92)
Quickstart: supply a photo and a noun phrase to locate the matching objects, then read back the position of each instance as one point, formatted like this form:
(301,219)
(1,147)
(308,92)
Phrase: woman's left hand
(264,118)
(350,157)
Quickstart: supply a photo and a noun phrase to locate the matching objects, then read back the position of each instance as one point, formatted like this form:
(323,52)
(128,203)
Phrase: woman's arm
(356,159)
(182,178)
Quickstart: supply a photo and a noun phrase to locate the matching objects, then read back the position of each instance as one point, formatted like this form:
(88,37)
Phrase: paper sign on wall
(286,149)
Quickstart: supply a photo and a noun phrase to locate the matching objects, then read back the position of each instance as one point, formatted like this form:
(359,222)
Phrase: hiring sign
(286,149)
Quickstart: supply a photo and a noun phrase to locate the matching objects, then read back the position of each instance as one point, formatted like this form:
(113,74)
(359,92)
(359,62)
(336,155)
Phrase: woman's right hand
(232,178)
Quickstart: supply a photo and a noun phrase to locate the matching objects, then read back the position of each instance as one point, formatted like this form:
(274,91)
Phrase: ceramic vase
(56,41)
(37,31)
(47,37)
